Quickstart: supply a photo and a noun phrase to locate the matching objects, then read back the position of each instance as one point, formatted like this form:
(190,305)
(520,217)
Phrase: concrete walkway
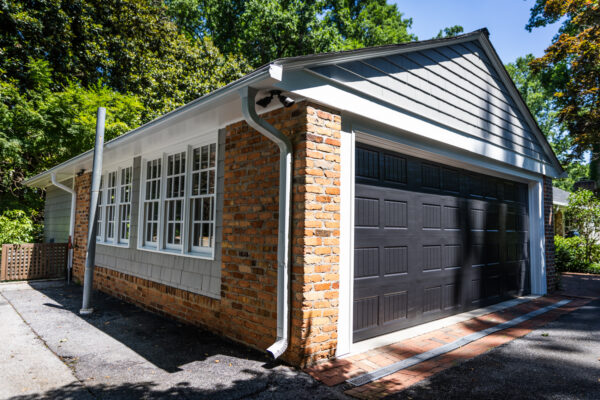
(124,352)
(27,366)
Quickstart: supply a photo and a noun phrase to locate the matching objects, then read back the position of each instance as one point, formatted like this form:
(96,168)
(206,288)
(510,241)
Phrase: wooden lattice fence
(33,261)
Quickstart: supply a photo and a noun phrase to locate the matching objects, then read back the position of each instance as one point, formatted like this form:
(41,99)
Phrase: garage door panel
(432,241)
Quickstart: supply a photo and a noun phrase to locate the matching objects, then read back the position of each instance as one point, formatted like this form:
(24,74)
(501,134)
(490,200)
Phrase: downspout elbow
(248,95)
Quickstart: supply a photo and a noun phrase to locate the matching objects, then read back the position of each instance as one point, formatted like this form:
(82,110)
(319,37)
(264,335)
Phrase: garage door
(432,241)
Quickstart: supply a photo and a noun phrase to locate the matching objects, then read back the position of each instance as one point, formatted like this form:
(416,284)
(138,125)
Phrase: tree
(541,102)
(573,58)
(40,128)
(131,46)
(264,30)
(583,213)
(60,60)
(451,31)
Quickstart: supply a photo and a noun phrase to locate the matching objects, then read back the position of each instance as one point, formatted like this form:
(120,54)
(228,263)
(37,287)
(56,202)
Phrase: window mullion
(117,229)
(161,204)
(141,235)
(185,225)
(103,194)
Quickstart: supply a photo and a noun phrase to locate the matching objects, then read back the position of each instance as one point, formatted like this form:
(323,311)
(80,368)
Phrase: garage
(431,241)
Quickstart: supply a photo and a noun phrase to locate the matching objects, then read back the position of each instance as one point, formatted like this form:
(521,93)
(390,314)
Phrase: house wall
(245,309)
(455,86)
(196,275)
(551,278)
(57,213)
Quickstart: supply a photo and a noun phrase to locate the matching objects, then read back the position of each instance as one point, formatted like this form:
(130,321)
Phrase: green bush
(18,227)
(571,255)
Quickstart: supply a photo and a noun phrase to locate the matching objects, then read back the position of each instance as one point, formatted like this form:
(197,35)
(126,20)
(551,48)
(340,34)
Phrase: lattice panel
(33,261)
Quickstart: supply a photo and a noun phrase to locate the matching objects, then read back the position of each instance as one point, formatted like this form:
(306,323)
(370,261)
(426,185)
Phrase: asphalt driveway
(559,361)
(123,352)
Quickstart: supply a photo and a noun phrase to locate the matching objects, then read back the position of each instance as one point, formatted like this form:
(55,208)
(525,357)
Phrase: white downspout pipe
(71,221)
(248,95)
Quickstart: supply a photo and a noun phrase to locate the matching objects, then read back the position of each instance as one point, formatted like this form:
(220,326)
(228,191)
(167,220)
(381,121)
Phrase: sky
(505,19)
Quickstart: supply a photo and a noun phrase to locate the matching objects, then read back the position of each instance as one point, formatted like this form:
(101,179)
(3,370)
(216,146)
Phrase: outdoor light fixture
(286,101)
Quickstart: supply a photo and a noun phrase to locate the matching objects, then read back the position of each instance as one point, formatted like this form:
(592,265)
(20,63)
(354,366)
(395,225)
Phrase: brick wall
(246,311)
(82,205)
(551,279)
(315,251)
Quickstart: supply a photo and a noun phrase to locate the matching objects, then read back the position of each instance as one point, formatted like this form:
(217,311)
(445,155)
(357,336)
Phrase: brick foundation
(551,279)
(246,311)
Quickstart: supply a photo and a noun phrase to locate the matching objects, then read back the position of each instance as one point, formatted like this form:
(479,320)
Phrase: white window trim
(186,249)
(101,236)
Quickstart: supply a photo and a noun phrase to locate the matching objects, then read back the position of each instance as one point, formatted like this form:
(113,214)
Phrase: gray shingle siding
(455,86)
(187,273)
(57,213)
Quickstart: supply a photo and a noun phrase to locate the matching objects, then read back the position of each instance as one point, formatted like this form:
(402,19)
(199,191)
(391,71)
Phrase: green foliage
(451,31)
(264,30)
(17,227)
(62,59)
(539,97)
(583,214)
(571,257)
(131,46)
(573,60)
(40,128)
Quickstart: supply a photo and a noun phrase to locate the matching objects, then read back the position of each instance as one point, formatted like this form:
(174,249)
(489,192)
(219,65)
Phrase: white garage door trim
(353,131)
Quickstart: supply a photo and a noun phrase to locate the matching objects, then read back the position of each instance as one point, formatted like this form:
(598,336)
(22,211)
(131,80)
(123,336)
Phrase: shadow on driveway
(123,352)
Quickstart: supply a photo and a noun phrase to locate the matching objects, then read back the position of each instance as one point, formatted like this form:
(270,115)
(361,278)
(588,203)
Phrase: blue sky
(505,19)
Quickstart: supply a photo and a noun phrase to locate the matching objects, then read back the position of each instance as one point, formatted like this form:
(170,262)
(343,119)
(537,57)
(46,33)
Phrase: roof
(273,72)
(560,197)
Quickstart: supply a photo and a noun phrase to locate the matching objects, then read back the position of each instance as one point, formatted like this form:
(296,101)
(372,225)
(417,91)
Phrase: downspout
(248,95)
(71,222)
(90,255)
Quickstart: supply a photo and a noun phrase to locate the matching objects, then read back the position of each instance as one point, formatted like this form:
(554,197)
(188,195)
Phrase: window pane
(204,162)
(213,151)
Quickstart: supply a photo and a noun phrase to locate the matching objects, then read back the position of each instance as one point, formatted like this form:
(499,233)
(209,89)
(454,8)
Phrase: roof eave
(266,72)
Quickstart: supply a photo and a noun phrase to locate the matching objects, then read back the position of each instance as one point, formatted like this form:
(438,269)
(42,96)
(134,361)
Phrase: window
(111,205)
(100,212)
(202,197)
(151,203)
(125,204)
(178,201)
(114,207)
(174,199)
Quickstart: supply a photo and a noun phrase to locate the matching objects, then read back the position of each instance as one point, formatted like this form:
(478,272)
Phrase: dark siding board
(445,251)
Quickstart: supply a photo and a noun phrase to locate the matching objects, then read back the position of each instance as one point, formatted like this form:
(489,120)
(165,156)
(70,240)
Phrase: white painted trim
(537,237)
(346,270)
(411,332)
(444,155)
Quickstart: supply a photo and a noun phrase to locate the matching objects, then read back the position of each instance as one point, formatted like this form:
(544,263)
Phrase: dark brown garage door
(432,241)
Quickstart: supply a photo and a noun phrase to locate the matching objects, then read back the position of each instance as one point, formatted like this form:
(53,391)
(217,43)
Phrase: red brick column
(82,205)
(551,280)
(316,238)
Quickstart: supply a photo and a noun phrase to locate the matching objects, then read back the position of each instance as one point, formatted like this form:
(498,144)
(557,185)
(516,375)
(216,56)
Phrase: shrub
(571,255)
(18,227)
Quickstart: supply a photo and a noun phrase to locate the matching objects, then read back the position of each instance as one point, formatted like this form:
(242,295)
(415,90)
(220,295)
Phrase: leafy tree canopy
(264,30)
(131,46)
(540,99)
(572,64)
(451,31)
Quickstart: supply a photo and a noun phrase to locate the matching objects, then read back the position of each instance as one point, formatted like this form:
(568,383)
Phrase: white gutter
(248,95)
(71,220)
